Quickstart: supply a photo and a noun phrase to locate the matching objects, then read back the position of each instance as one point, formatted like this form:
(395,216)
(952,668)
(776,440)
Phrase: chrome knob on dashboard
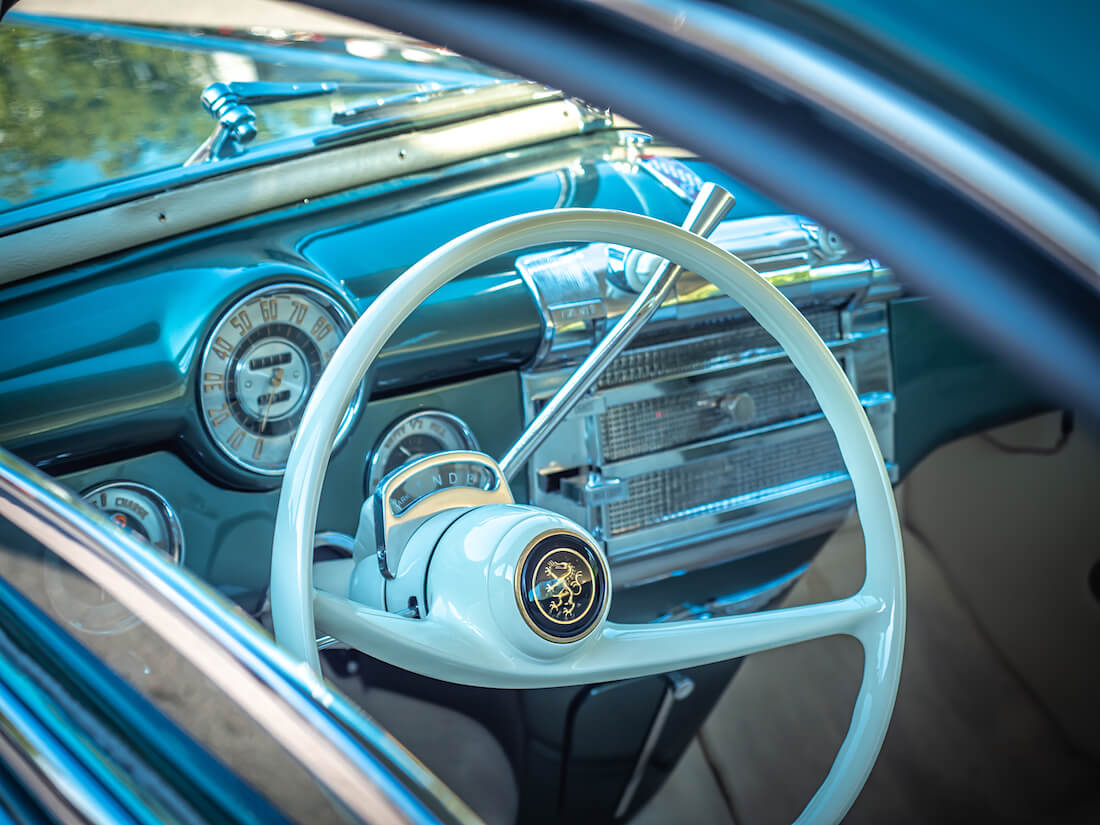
(739,406)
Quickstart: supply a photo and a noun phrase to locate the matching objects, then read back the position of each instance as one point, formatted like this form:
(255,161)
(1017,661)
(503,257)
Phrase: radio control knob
(738,406)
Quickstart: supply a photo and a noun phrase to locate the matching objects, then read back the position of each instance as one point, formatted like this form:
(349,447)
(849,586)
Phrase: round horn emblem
(561,587)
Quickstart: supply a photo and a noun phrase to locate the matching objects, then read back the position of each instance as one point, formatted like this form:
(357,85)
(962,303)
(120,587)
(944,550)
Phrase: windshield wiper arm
(230,104)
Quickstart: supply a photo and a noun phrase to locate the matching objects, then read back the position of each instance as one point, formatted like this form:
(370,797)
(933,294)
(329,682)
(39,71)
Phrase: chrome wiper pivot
(230,104)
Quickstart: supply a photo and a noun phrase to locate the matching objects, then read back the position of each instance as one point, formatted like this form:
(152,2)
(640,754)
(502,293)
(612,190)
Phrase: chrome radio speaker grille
(702,442)
(697,413)
(725,481)
(707,352)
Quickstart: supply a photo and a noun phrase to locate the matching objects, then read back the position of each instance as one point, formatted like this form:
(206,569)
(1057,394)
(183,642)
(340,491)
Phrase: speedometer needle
(276,380)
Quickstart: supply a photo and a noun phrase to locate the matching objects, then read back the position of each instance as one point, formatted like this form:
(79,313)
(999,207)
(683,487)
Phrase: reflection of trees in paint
(76,110)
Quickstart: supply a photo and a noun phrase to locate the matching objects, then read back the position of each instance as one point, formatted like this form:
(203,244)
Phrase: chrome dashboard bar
(708,210)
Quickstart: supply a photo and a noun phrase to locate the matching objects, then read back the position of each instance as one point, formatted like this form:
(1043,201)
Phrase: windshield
(85,102)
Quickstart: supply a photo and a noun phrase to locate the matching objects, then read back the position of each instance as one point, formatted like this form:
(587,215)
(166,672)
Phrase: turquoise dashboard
(104,372)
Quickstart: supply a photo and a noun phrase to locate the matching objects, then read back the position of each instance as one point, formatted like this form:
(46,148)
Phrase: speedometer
(260,365)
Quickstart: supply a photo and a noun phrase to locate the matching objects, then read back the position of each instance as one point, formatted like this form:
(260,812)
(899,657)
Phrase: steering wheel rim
(875,615)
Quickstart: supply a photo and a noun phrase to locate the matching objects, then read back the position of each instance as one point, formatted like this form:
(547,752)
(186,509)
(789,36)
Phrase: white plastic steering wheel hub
(481,607)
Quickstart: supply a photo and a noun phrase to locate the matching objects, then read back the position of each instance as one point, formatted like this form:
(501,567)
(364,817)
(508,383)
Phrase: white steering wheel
(510,596)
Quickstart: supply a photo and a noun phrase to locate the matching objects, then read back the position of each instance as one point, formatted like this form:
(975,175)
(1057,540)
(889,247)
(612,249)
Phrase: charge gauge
(139,510)
(417,434)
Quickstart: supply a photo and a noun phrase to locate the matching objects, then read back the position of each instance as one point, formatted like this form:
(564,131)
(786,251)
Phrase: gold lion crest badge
(561,587)
(564,585)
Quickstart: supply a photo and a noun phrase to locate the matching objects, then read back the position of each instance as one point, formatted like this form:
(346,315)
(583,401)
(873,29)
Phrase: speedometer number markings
(263,360)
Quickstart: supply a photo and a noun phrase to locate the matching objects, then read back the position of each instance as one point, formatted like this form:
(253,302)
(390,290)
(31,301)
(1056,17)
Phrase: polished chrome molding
(377,455)
(710,207)
(351,757)
(575,289)
(1004,183)
(238,190)
(775,433)
(713,515)
(765,528)
(48,771)
(396,516)
(540,385)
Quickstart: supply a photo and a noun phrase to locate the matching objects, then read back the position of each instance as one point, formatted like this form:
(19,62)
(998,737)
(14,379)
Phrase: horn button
(560,586)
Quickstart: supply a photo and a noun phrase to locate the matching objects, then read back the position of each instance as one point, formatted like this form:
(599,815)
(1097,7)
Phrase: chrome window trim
(353,759)
(50,773)
(1002,182)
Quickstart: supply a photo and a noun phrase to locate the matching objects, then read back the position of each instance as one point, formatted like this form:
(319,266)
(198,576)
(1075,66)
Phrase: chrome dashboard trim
(389,521)
(575,293)
(374,465)
(764,531)
(770,507)
(355,761)
(722,444)
(1004,183)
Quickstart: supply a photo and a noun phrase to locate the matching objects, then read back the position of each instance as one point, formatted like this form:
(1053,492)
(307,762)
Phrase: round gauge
(137,509)
(261,363)
(416,435)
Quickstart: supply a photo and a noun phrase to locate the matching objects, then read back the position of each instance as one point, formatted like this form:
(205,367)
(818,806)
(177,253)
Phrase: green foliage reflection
(76,110)
(122,107)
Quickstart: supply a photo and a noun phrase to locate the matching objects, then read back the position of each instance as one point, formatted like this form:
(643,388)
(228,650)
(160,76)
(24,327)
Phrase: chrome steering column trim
(355,761)
(1001,181)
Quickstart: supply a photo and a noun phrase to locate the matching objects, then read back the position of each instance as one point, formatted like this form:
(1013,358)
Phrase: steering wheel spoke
(657,648)
(447,645)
